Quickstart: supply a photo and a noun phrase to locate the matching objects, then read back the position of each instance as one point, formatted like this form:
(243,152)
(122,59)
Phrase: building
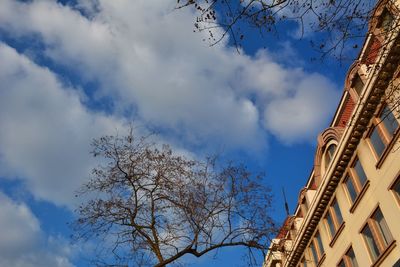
(348,213)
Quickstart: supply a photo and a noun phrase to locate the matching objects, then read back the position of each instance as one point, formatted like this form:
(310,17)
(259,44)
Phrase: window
(351,189)
(317,248)
(349,259)
(329,154)
(384,128)
(314,253)
(396,188)
(320,246)
(355,180)
(333,218)
(376,234)
(359,172)
(389,121)
(377,141)
(303,263)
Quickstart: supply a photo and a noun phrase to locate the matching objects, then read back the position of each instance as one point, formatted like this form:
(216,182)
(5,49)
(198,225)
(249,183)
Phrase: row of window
(375,233)
(385,126)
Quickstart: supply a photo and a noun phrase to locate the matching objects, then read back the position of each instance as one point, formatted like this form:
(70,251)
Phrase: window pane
(331,150)
(303,263)
(329,154)
(396,188)
(352,258)
(377,142)
(372,247)
(360,173)
(338,214)
(389,121)
(383,227)
(314,253)
(320,246)
(331,227)
(341,264)
(350,189)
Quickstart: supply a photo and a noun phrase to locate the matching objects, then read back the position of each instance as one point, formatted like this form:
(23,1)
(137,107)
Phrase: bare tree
(341,24)
(149,206)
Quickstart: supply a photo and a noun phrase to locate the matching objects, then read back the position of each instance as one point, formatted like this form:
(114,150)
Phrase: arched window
(329,154)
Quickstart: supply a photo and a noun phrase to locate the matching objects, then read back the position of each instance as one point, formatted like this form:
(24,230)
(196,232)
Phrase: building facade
(348,213)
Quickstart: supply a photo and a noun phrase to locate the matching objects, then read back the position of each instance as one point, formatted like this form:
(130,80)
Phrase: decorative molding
(361,120)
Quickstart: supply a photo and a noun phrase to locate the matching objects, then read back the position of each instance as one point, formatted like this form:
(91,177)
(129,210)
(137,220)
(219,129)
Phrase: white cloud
(143,54)
(46,132)
(302,113)
(22,242)
(295,105)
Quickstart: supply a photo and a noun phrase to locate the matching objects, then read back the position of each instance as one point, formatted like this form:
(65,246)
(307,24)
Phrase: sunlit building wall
(348,213)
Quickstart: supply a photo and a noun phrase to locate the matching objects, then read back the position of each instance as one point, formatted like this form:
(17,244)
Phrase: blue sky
(73,71)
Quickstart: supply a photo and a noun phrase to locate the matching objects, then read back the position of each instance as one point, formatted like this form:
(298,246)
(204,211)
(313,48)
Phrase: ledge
(384,254)
(336,235)
(321,261)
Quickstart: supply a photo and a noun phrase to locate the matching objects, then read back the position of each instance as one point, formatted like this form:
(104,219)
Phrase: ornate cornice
(385,69)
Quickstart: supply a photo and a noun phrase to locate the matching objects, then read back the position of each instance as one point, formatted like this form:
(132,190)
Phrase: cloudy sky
(73,71)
